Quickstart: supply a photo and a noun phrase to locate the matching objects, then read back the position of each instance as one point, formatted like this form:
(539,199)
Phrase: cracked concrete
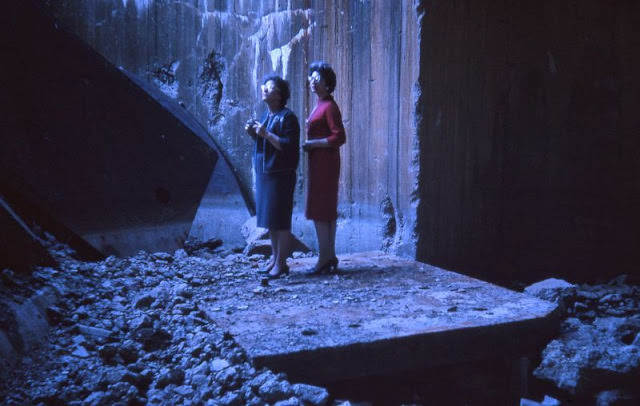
(376,307)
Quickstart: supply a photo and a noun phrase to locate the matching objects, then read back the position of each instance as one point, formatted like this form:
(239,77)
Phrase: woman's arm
(273,139)
(336,137)
(288,138)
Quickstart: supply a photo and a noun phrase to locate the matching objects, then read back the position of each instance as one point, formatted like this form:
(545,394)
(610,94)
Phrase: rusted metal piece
(381,314)
(121,166)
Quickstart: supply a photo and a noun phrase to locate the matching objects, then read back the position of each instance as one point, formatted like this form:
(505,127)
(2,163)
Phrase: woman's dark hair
(326,72)
(282,86)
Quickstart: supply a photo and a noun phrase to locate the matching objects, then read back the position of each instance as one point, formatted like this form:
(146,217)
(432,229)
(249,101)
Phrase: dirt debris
(130,331)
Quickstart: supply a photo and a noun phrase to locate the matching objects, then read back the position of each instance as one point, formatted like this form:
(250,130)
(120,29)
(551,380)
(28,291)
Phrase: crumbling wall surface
(373,48)
(211,56)
(529,137)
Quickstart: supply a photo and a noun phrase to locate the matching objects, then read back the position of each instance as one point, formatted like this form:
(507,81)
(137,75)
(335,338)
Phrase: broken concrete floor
(379,314)
(154,329)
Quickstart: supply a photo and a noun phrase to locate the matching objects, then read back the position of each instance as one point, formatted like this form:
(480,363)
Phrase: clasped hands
(254,127)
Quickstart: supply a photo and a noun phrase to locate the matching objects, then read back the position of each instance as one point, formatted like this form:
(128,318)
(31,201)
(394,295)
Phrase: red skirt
(322,184)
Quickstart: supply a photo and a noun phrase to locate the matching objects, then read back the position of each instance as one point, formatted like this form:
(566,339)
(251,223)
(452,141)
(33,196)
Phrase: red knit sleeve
(337,137)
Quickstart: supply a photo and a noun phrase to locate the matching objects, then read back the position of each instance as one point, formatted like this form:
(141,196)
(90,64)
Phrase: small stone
(230,399)
(219,364)
(143,321)
(199,380)
(547,401)
(140,381)
(184,291)
(162,257)
(94,332)
(152,339)
(180,254)
(275,389)
(128,352)
(184,390)
(172,376)
(95,399)
(292,401)
(80,352)
(122,391)
(107,351)
(611,298)
(78,339)
(203,368)
(550,289)
(311,395)
(144,301)
(228,378)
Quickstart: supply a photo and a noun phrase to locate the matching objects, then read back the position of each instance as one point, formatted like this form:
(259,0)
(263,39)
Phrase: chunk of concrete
(382,314)
(108,156)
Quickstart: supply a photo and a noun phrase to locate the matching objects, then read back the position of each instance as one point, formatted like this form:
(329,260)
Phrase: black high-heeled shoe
(328,267)
(281,271)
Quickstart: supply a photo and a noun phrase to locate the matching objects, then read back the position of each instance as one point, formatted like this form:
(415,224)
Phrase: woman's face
(270,93)
(317,84)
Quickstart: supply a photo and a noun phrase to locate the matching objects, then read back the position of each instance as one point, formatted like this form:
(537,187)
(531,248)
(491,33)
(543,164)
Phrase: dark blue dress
(276,171)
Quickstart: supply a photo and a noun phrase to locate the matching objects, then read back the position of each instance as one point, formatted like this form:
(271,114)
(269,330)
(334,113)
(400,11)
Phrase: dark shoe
(328,267)
(282,271)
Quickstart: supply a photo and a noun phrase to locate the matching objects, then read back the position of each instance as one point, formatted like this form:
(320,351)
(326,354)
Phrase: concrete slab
(380,314)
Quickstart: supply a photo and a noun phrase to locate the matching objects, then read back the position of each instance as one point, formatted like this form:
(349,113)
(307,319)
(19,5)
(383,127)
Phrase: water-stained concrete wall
(495,138)
(211,56)
(530,155)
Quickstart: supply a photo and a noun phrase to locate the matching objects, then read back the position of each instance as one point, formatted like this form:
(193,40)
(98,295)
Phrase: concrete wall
(529,137)
(211,56)
(494,138)
(90,151)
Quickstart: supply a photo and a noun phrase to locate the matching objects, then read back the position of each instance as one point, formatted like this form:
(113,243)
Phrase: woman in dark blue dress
(275,159)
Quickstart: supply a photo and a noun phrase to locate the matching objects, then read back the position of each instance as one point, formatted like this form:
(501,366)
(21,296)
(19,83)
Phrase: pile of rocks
(596,358)
(134,331)
(130,331)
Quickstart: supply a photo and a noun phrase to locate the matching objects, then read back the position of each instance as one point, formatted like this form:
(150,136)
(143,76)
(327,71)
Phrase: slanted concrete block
(383,314)
(100,151)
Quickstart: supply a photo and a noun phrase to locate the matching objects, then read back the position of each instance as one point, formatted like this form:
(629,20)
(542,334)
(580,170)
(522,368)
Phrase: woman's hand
(260,130)
(307,146)
(313,144)
(250,126)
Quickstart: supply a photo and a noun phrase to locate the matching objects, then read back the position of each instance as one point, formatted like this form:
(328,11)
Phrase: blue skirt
(274,197)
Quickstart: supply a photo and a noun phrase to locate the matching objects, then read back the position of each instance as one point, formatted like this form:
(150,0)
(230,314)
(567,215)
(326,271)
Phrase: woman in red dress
(325,135)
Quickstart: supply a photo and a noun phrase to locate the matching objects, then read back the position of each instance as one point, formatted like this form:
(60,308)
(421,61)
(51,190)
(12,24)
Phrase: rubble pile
(130,331)
(596,358)
(138,330)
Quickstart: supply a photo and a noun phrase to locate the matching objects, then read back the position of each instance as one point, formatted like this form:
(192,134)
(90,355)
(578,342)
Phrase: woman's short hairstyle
(326,72)
(282,86)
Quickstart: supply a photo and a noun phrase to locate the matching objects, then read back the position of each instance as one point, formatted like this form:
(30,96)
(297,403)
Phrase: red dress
(325,121)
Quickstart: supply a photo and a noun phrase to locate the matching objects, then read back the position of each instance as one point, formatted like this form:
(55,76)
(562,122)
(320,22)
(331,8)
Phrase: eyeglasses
(314,78)
(270,88)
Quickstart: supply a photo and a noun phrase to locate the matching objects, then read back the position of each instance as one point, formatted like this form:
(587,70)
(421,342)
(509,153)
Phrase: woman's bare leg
(281,241)
(323,233)
(284,247)
(274,249)
(332,239)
